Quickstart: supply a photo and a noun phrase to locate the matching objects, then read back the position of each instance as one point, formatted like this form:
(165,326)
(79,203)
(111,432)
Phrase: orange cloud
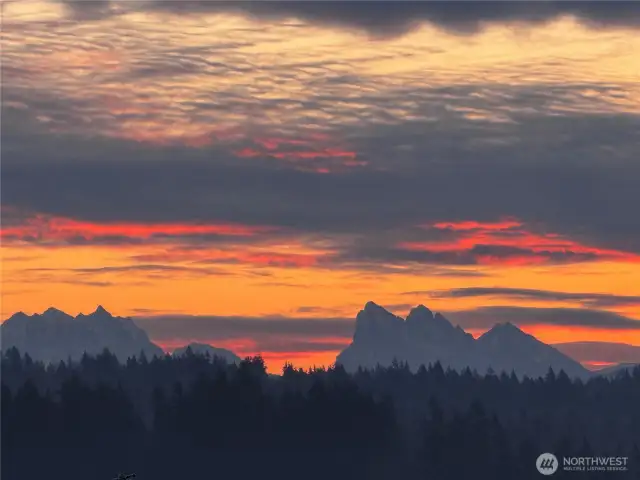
(597,365)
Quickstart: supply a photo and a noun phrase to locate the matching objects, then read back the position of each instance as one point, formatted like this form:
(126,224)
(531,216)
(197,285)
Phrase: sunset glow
(229,165)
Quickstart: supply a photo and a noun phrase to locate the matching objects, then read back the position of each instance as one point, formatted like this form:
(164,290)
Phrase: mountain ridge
(425,337)
(379,338)
(54,335)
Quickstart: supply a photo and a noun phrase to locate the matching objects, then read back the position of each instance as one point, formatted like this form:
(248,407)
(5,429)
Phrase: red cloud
(314,147)
(49,228)
(509,242)
(473,225)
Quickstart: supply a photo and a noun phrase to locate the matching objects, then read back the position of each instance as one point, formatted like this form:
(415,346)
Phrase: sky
(250,174)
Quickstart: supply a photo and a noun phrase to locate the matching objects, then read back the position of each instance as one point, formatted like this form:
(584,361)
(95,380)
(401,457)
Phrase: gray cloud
(131,268)
(486,317)
(316,309)
(391,18)
(89,10)
(471,256)
(596,300)
(426,160)
(88,276)
(600,352)
(171,327)
(592,202)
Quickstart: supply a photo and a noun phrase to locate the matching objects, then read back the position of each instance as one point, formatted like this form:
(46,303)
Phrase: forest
(197,417)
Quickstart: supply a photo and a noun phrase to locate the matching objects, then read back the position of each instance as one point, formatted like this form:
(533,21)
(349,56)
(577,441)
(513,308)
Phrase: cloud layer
(217,328)
(203,153)
(596,300)
(389,18)
(485,317)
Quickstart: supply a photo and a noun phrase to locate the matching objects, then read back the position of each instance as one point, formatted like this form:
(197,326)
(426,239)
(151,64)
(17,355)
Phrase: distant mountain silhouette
(616,370)
(605,352)
(203,349)
(54,335)
(424,338)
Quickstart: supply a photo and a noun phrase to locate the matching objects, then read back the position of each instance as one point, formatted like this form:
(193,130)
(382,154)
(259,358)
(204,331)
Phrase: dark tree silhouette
(197,416)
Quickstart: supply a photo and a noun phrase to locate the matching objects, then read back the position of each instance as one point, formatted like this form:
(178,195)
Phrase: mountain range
(54,335)
(380,337)
(424,337)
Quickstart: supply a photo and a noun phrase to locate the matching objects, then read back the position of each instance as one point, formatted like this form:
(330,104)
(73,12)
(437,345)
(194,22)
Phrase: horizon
(574,350)
(249,176)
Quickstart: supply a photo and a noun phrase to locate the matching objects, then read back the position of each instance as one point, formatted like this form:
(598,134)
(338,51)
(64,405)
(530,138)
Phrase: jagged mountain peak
(372,307)
(374,312)
(100,310)
(375,322)
(504,330)
(18,316)
(52,310)
(54,335)
(55,314)
(419,313)
(99,314)
(425,337)
(419,319)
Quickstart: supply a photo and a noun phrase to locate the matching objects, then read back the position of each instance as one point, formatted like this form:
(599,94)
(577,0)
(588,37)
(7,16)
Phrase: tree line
(196,416)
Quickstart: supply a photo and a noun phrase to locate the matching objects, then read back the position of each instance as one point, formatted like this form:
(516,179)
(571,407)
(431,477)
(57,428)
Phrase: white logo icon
(547,464)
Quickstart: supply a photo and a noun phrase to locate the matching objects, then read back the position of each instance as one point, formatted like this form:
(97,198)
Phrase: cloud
(24,226)
(128,268)
(478,255)
(88,283)
(89,10)
(315,309)
(95,276)
(391,18)
(474,243)
(487,317)
(573,202)
(593,300)
(102,148)
(600,352)
(259,329)
(356,225)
